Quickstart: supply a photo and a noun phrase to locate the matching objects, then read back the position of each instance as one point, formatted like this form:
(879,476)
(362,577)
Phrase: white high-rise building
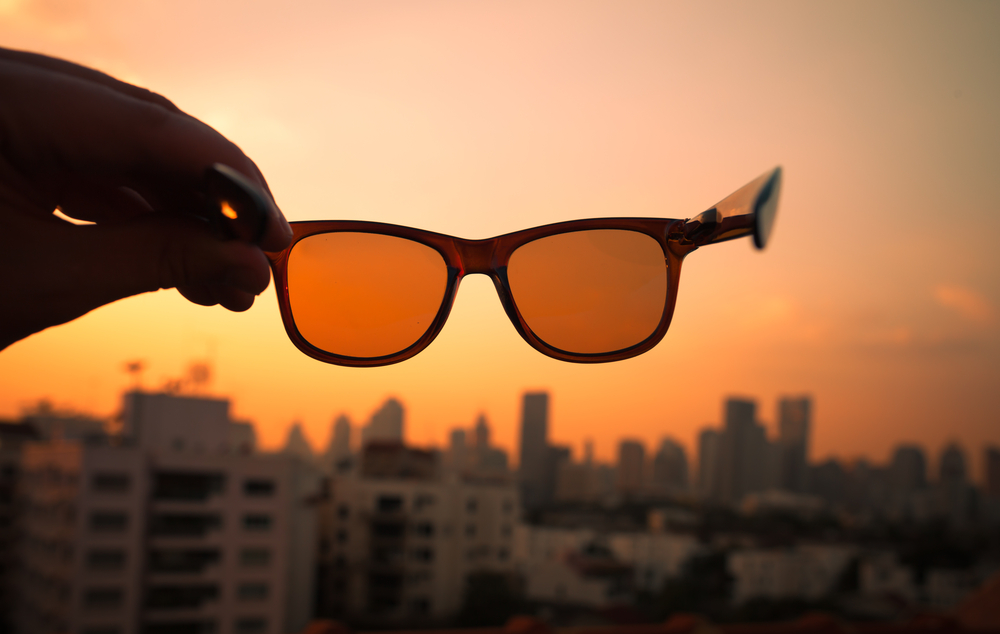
(155,535)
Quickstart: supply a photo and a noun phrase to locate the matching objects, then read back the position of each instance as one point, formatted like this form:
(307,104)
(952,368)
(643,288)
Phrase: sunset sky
(879,294)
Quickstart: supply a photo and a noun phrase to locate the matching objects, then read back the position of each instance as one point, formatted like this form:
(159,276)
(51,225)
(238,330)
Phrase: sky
(878,295)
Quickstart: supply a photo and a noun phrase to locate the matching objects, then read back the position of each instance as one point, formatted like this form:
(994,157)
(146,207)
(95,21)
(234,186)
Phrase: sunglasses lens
(590,292)
(364,294)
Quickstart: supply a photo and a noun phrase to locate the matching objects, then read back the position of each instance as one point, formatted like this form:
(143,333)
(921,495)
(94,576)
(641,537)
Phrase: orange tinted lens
(364,294)
(590,292)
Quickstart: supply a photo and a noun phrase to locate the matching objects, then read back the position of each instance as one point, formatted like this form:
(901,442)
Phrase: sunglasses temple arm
(750,210)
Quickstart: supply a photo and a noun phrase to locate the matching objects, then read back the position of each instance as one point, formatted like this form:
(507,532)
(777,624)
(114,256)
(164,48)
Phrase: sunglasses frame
(748,211)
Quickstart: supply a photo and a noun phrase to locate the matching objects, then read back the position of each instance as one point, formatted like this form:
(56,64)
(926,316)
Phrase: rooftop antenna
(199,376)
(134,369)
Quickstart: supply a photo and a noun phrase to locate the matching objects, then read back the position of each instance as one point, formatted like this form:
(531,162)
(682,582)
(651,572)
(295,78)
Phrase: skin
(128,160)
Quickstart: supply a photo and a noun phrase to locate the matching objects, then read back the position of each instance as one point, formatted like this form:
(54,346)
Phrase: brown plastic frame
(748,211)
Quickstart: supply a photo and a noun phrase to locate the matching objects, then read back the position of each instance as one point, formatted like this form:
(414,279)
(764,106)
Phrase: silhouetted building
(386,424)
(908,470)
(955,497)
(746,460)
(829,481)
(631,467)
(794,422)
(457,456)
(535,469)
(340,441)
(991,460)
(296,444)
(670,468)
(709,446)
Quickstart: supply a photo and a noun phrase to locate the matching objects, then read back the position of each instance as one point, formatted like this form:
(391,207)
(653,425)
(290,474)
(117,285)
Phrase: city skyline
(388,422)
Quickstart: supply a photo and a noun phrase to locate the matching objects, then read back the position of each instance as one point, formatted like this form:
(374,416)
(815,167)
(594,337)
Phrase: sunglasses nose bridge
(476,255)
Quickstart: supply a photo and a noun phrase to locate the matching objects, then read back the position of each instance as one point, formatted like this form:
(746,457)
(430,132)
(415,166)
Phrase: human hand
(130,161)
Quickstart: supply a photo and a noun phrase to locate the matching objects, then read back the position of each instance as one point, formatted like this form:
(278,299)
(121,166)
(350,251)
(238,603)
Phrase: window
(343,511)
(110,482)
(422,554)
(470,530)
(255,557)
(503,555)
(506,531)
(252,592)
(257,522)
(389,503)
(182,560)
(388,530)
(424,529)
(342,537)
(103,598)
(181,596)
(102,629)
(180,627)
(258,488)
(508,506)
(184,524)
(471,505)
(421,606)
(108,522)
(106,559)
(423,501)
(251,625)
(187,486)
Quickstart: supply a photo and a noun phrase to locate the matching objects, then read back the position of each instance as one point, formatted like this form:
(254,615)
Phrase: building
(670,468)
(654,557)
(709,441)
(808,571)
(747,461)
(399,540)
(386,424)
(534,470)
(631,467)
(794,426)
(13,438)
(170,529)
(339,448)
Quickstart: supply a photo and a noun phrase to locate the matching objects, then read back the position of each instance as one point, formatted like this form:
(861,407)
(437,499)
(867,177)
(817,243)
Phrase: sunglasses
(366,294)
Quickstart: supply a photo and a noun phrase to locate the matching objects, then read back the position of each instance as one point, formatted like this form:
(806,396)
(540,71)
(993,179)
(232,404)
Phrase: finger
(97,202)
(66,125)
(230,298)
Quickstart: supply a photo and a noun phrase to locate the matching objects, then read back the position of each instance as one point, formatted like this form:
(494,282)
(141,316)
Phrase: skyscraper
(743,452)
(670,467)
(794,422)
(533,466)
(908,470)
(631,466)
(709,441)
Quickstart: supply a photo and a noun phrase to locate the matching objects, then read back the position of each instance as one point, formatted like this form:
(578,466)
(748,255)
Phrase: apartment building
(399,540)
(140,538)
